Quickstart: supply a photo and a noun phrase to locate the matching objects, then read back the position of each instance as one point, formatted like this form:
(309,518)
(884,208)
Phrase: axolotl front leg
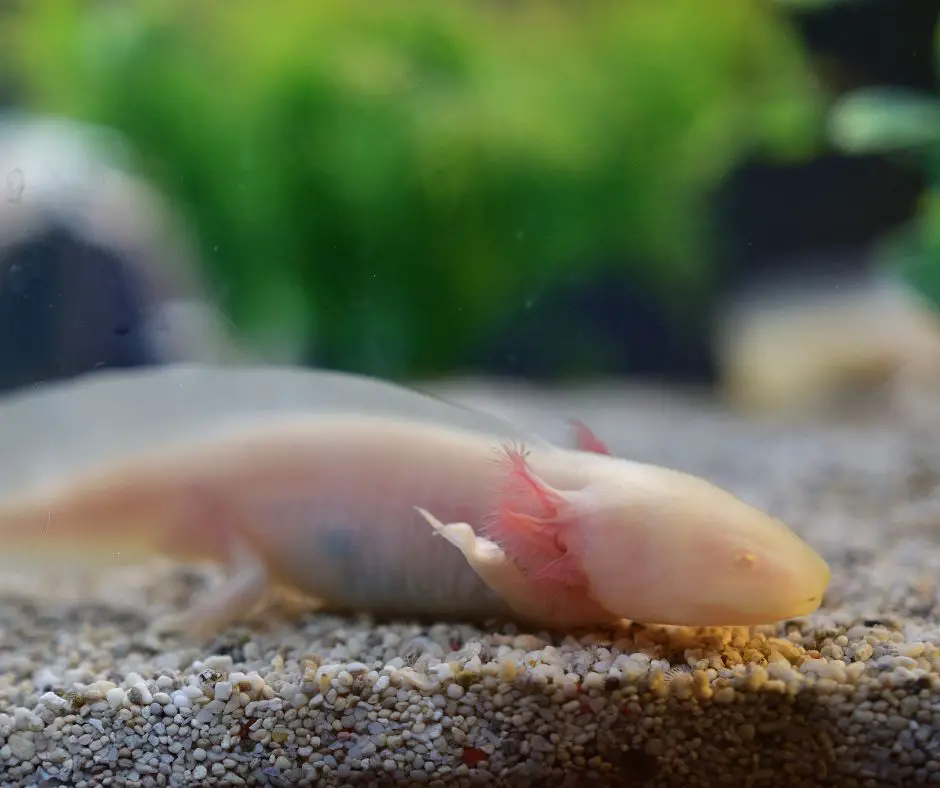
(542,603)
(528,564)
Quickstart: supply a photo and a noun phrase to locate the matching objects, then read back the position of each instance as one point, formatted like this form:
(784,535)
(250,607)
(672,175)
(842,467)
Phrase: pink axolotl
(373,497)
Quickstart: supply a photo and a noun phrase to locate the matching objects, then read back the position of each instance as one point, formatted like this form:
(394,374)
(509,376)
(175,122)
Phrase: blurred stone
(95,269)
(814,342)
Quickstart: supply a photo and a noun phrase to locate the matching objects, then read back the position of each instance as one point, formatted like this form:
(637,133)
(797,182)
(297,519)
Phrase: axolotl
(370,496)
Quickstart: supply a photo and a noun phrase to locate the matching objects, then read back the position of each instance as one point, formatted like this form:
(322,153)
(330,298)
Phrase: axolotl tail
(93,523)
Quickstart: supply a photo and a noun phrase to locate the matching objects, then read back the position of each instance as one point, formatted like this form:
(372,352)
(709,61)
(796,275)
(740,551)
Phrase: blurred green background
(904,124)
(386,178)
(384,185)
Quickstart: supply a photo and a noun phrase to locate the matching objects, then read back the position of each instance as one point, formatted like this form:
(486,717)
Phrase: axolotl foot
(244,587)
(539,600)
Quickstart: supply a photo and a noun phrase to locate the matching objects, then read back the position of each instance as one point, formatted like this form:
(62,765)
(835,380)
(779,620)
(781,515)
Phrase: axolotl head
(664,547)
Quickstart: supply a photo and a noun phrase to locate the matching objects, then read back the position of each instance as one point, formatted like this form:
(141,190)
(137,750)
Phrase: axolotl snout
(368,496)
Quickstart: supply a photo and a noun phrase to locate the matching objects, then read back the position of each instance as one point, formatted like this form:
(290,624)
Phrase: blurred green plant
(384,180)
(905,125)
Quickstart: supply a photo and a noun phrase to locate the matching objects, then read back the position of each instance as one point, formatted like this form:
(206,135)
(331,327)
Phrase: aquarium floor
(849,696)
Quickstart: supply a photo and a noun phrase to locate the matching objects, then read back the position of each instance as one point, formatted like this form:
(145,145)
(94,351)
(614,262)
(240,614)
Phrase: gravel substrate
(847,697)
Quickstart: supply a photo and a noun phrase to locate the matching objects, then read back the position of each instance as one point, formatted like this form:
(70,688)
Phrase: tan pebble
(910,705)
(733,657)
(725,695)
(700,684)
(757,678)
(855,670)
(814,666)
(657,683)
(682,687)
(739,637)
(827,686)
(528,643)
(835,670)
(507,670)
(775,685)
(794,653)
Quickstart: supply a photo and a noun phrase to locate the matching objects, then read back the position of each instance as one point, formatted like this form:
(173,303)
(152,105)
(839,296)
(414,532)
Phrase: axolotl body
(373,497)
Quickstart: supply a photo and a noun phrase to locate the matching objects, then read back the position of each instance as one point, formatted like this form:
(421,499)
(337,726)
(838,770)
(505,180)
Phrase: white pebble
(116,697)
(473,665)
(443,671)
(52,701)
(22,746)
(222,664)
(181,700)
(146,697)
(24,719)
(46,678)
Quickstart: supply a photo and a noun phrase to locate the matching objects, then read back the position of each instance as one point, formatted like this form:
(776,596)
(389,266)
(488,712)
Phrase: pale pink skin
(396,516)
